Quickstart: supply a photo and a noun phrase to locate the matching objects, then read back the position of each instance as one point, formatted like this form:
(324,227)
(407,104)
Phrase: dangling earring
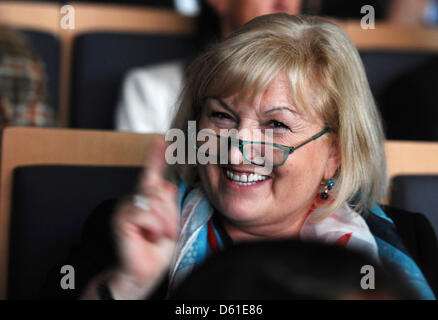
(328,186)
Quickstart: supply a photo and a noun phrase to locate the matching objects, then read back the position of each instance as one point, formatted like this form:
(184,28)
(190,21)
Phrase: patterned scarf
(375,236)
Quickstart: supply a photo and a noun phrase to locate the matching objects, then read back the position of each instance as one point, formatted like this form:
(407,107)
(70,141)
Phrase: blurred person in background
(23,99)
(413,12)
(149,95)
(302,78)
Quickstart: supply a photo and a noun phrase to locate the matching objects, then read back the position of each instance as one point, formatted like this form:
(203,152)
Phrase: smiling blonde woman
(300,79)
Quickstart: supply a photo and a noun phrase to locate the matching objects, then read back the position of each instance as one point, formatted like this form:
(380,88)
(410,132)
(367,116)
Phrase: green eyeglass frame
(287,151)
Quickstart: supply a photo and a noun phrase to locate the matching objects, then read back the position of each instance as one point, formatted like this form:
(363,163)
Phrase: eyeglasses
(258,153)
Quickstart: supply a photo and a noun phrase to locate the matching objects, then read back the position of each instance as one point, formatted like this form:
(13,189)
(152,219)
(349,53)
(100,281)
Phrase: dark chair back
(417,193)
(100,62)
(50,206)
(404,84)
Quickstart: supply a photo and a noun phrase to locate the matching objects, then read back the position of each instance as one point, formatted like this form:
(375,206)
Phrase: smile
(244,179)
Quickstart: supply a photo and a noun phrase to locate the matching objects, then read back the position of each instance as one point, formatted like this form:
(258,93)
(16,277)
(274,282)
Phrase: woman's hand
(146,239)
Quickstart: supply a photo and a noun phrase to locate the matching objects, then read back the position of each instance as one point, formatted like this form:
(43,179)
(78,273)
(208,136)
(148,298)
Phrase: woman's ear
(334,160)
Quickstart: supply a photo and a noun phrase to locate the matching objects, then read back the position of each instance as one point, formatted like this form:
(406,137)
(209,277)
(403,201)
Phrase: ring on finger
(141,202)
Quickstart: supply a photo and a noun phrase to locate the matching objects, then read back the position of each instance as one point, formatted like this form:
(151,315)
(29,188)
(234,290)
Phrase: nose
(246,133)
(235,157)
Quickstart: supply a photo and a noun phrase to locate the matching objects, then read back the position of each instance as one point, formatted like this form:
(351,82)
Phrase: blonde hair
(314,53)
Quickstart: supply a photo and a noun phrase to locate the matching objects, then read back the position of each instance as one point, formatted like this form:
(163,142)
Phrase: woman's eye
(220,116)
(277,124)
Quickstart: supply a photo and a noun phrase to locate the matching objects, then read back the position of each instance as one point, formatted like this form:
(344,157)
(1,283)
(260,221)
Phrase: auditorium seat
(404,84)
(413,172)
(401,65)
(154,18)
(100,61)
(48,49)
(62,174)
(417,193)
(148,3)
(51,203)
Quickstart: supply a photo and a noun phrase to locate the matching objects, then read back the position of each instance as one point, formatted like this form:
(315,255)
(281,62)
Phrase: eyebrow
(224,104)
(280,108)
(273,109)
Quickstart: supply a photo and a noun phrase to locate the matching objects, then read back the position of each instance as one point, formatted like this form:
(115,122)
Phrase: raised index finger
(155,166)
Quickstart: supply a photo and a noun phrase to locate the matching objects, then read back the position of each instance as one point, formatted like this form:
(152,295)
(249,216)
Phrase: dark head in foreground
(287,269)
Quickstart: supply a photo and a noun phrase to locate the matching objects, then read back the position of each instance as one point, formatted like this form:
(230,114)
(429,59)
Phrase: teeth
(244,179)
